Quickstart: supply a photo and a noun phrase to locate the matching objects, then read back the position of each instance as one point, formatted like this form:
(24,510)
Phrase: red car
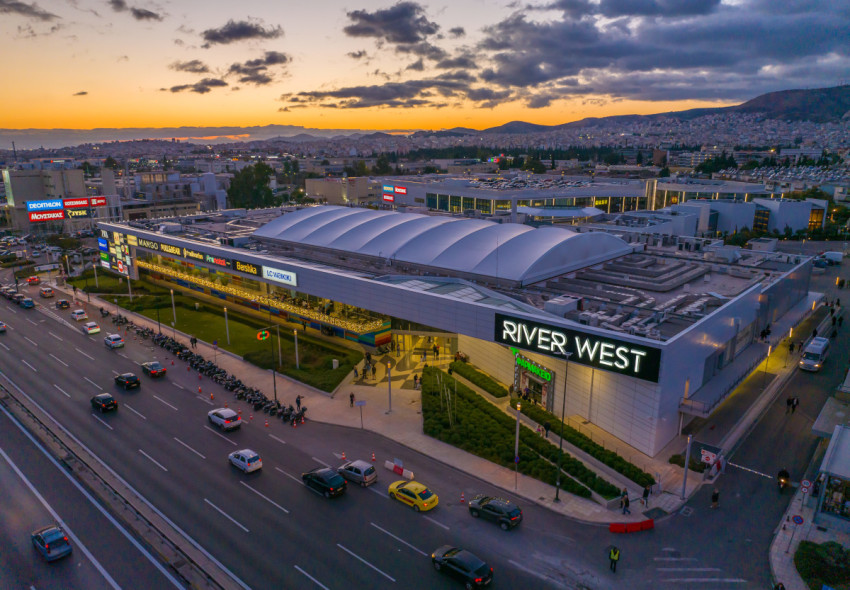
(33,280)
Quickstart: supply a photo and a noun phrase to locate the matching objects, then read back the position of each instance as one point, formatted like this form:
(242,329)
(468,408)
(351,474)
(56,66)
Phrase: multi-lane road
(266,529)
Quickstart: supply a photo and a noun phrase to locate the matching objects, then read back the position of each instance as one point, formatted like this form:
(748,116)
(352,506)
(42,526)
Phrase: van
(815,354)
(834,258)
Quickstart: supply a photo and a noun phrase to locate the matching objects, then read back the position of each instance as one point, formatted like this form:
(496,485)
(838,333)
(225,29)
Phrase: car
(79,315)
(224,418)
(52,542)
(36,254)
(503,512)
(104,402)
(3,328)
(359,471)
(33,280)
(27,303)
(325,481)
(113,341)
(63,304)
(153,369)
(246,460)
(45,292)
(18,297)
(128,380)
(413,494)
(91,328)
(462,565)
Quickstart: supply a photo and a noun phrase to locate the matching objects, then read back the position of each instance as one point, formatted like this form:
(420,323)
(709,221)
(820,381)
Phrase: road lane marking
(687,569)
(135,412)
(4,346)
(437,523)
(55,336)
(84,354)
(292,477)
(165,402)
(377,491)
(13,311)
(58,359)
(124,355)
(154,461)
(32,322)
(93,383)
(114,372)
(353,554)
(521,567)
(62,390)
(400,540)
(205,400)
(320,461)
(312,579)
(705,580)
(190,448)
(227,516)
(31,341)
(177,385)
(61,522)
(218,434)
(29,365)
(102,422)
(267,499)
(280,440)
(674,558)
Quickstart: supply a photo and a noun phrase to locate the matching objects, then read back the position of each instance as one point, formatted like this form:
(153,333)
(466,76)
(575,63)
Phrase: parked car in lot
(360,472)
(63,304)
(325,481)
(224,418)
(51,542)
(153,369)
(246,460)
(413,494)
(104,402)
(27,303)
(91,328)
(113,341)
(462,565)
(128,380)
(503,512)
(79,315)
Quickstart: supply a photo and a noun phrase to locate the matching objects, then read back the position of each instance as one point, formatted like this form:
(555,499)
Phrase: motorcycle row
(251,395)
(120,320)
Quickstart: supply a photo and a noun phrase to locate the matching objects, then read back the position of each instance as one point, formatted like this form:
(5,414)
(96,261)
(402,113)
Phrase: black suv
(104,402)
(504,512)
(325,481)
(128,380)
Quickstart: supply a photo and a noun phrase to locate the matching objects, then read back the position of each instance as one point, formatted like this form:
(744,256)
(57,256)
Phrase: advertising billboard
(47,215)
(48,205)
(389,198)
(75,203)
(78,213)
(98,201)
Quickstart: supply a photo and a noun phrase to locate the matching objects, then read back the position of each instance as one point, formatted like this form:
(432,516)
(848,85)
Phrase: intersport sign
(600,352)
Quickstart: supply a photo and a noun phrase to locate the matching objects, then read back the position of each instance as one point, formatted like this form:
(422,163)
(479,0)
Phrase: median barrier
(631,527)
(398,470)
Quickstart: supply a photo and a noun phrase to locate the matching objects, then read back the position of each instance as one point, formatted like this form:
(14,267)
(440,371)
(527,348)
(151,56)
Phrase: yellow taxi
(413,494)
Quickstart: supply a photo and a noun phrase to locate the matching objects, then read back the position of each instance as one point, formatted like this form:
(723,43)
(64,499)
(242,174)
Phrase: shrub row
(480,379)
(695,464)
(823,565)
(595,450)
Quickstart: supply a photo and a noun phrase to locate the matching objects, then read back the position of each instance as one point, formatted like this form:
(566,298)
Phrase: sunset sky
(370,64)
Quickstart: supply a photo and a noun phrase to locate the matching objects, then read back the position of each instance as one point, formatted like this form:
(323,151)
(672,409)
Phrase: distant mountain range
(820,105)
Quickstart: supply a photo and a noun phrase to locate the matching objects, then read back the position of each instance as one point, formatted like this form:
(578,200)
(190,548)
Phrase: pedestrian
(800,347)
(788,403)
(815,333)
(779,586)
(624,493)
(614,557)
(715,498)
(356,374)
(791,347)
(835,333)
(646,492)
(539,430)
(834,320)
(374,371)
(75,290)
(423,356)
(840,320)
(794,403)
(435,349)
(351,400)
(450,370)
(298,402)
(832,311)
(415,381)
(626,509)
(369,358)
(547,427)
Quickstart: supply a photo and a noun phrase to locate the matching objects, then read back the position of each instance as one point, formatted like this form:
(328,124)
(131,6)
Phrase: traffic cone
(172,363)
(373,457)
(302,419)
(240,412)
(250,417)
(211,396)
(199,376)
(295,423)
(267,422)
(225,403)
(188,368)
(462,499)
(343,456)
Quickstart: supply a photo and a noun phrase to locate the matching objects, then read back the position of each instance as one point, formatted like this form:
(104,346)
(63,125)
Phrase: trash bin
(335,363)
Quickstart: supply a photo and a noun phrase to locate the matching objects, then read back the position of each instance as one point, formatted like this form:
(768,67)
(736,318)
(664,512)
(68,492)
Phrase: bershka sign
(608,354)
(75,203)
(247,268)
(49,205)
(280,276)
(47,215)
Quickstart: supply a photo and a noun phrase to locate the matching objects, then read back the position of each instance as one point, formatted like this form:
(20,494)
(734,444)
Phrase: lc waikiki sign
(281,276)
(608,354)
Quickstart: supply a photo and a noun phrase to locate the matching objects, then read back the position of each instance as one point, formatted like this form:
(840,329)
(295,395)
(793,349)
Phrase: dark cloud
(117,5)
(242,30)
(80,93)
(202,87)
(457,32)
(417,66)
(194,66)
(357,54)
(665,8)
(256,71)
(144,14)
(33,11)
(466,62)
(404,23)
(424,49)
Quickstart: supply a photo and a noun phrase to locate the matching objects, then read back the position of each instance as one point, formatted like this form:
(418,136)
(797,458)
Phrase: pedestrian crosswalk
(675,570)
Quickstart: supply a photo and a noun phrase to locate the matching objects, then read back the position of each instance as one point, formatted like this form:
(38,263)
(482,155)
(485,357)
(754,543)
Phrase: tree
(250,187)
(110,162)
(664,172)
(639,158)
(382,166)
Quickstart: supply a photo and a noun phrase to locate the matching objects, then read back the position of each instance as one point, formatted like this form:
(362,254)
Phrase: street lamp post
(561,433)
(226,327)
(94,266)
(158,325)
(173,307)
(766,363)
(390,388)
(516,447)
(297,364)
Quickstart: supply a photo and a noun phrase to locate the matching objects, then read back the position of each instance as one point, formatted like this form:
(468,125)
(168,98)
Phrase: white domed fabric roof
(505,251)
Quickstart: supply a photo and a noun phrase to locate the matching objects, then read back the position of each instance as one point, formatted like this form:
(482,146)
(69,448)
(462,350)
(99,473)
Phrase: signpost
(797,520)
(360,403)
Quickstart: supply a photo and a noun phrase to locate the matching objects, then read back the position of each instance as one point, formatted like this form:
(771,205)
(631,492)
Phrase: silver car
(359,471)
(224,418)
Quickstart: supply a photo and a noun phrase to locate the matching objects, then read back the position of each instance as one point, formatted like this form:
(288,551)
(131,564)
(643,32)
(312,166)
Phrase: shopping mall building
(634,339)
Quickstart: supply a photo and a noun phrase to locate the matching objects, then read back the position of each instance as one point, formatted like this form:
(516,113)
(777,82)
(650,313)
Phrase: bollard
(172,363)
(225,403)
(211,396)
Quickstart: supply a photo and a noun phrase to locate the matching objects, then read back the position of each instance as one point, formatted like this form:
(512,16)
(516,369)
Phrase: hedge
(484,430)
(827,564)
(595,450)
(695,464)
(480,379)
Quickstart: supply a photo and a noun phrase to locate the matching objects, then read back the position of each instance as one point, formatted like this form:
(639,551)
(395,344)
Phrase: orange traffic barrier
(462,499)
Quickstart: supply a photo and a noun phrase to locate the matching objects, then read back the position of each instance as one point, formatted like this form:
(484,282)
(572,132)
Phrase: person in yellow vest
(614,557)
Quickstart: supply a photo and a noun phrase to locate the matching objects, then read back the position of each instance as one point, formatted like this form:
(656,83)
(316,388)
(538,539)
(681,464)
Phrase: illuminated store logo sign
(50,205)
(609,354)
(388,188)
(217,260)
(75,203)
(400,190)
(247,268)
(280,276)
(193,254)
(102,244)
(526,364)
(47,215)
(171,249)
(78,213)
(98,201)
(150,245)
(389,198)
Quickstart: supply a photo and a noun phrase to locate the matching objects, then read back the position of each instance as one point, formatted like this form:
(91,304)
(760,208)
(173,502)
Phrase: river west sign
(600,352)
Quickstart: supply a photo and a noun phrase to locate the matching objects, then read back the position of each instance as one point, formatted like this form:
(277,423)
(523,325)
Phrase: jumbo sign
(608,354)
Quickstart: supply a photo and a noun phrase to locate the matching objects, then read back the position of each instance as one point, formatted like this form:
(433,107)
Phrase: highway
(266,528)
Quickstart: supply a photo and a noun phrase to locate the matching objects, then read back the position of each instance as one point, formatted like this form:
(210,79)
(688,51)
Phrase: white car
(113,341)
(225,418)
(91,328)
(79,315)
(246,460)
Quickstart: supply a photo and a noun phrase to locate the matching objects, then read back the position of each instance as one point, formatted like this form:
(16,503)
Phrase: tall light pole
(297,364)
(94,266)
(561,433)
(226,327)
(766,362)
(516,446)
(173,307)
(390,388)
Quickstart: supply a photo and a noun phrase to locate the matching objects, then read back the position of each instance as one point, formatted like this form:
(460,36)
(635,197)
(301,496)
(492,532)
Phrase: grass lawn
(108,282)
(824,564)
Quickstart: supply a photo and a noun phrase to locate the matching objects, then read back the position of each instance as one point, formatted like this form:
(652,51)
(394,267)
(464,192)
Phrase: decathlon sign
(280,276)
(49,205)
(608,354)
